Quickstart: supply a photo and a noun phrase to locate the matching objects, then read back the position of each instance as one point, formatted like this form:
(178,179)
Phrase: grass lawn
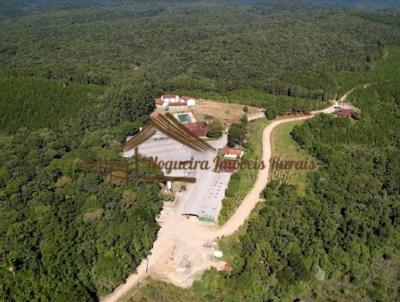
(286,148)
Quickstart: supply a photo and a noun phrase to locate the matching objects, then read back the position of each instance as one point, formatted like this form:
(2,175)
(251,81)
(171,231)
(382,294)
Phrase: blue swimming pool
(184,118)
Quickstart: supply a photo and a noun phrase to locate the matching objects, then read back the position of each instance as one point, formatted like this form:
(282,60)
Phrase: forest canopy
(78,77)
(69,229)
(202,46)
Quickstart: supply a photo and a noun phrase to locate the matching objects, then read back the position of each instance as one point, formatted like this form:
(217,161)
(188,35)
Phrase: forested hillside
(282,58)
(88,72)
(208,47)
(18,7)
(70,229)
(35,103)
(365,4)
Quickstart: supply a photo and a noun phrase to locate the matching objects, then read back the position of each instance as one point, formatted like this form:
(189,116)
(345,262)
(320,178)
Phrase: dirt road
(252,198)
(178,231)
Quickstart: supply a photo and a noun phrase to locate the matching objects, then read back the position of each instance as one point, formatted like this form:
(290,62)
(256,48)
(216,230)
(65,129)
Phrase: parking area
(202,199)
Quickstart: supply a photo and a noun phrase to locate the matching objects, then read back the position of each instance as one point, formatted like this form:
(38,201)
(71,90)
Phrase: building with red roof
(159,102)
(198,128)
(232,153)
(174,103)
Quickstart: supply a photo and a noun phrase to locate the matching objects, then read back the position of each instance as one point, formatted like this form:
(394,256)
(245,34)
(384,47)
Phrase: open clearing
(224,112)
(284,147)
(179,234)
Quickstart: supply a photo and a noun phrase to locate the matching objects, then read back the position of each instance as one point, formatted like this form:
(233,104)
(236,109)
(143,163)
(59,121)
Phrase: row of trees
(67,74)
(237,133)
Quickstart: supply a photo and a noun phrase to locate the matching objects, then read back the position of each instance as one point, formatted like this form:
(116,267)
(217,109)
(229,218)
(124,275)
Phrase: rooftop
(181,103)
(235,151)
(169,96)
(198,128)
(186,98)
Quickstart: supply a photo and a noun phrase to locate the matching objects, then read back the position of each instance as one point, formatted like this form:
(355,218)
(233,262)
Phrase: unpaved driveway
(252,198)
(176,230)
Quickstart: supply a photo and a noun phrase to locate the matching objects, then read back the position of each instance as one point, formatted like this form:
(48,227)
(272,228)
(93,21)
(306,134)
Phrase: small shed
(189,100)
(232,153)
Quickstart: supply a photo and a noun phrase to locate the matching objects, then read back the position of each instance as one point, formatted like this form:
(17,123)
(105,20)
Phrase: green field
(35,103)
(284,147)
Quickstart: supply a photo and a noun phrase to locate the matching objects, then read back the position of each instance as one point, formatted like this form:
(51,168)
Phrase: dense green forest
(203,46)
(377,282)
(70,229)
(35,103)
(24,7)
(283,58)
(77,77)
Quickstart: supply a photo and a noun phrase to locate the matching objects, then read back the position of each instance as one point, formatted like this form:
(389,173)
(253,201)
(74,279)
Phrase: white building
(175,103)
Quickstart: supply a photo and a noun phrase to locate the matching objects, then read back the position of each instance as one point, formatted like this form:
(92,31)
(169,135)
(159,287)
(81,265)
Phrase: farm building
(232,153)
(202,199)
(175,103)
(346,110)
(198,128)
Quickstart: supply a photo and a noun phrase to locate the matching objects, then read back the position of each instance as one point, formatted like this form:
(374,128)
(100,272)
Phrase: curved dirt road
(253,196)
(186,232)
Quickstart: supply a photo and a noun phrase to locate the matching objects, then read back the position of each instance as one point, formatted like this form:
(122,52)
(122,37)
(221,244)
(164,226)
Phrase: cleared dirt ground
(224,112)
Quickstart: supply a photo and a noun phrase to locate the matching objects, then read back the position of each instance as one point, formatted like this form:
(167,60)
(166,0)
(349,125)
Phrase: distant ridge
(26,7)
(356,3)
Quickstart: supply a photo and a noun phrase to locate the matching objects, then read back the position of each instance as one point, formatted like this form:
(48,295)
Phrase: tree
(129,100)
(236,135)
(215,129)
(271,113)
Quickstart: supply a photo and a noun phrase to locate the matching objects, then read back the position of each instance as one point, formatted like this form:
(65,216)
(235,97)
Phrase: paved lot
(203,198)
